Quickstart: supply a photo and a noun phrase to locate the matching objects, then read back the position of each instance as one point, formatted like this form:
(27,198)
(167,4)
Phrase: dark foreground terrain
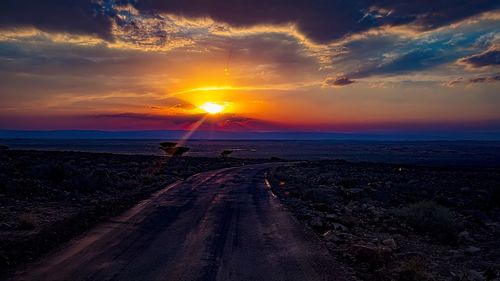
(47,198)
(391,222)
(356,221)
(220,225)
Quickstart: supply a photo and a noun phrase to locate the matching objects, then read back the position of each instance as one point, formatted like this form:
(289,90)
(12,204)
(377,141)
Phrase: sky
(271,65)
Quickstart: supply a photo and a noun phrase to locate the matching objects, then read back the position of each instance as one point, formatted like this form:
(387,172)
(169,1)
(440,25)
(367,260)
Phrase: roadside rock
(390,243)
(375,256)
(330,236)
(471,250)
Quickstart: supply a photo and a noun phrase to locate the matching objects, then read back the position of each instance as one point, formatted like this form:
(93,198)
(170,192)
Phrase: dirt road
(219,225)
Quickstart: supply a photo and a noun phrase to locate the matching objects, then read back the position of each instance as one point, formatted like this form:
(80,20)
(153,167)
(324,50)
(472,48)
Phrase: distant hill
(176,134)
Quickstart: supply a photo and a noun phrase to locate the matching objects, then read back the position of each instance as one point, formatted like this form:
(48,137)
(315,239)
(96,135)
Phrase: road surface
(219,225)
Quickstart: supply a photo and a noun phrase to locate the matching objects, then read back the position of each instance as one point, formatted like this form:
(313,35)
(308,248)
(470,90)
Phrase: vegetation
(495,197)
(172,149)
(431,218)
(225,153)
(347,182)
(168,144)
(26,221)
(52,196)
(413,270)
(3,147)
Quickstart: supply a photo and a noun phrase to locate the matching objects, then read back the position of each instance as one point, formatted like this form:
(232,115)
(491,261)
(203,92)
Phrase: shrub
(26,221)
(51,172)
(86,184)
(495,197)
(347,182)
(413,270)
(431,218)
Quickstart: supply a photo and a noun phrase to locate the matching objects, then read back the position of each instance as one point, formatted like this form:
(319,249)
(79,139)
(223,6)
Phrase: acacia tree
(171,148)
(167,144)
(225,153)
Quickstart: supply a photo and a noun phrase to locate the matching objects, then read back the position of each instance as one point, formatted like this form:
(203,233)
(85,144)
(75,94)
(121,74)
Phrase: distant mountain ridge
(223,135)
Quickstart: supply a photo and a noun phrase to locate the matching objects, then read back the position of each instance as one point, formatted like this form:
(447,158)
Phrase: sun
(212,107)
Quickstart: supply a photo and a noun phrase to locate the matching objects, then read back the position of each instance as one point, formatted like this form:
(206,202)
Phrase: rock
(464,236)
(373,255)
(322,207)
(490,273)
(316,223)
(331,217)
(471,250)
(475,276)
(330,236)
(349,220)
(390,243)
(339,226)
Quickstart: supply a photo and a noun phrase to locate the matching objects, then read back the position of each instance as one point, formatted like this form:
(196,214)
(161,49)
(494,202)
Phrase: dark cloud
(337,81)
(411,61)
(325,20)
(321,21)
(486,58)
(414,60)
(75,16)
(219,122)
(429,14)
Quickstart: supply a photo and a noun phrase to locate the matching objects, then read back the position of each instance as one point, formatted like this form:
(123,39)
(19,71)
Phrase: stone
(471,250)
(339,226)
(316,222)
(464,236)
(475,276)
(390,243)
(331,217)
(330,236)
(373,255)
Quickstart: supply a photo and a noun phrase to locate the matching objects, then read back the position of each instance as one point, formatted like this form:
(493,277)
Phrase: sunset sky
(269,64)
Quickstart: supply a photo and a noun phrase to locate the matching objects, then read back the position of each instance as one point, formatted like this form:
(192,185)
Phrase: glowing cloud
(212,108)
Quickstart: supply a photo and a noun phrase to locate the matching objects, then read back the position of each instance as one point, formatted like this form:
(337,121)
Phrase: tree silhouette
(225,153)
(166,144)
(171,148)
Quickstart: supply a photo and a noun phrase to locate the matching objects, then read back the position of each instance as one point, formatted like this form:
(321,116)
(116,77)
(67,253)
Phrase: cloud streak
(490,57)
(337,81)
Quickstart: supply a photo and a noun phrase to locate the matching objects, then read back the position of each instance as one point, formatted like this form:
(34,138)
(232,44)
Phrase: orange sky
(154,72)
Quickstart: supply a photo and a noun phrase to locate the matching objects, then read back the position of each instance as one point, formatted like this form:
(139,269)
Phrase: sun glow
(212,108)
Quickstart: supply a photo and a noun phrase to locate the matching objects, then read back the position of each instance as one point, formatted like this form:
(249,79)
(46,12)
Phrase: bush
(431,218)
(413,270)
(347,182)
(26,221)
(495,197)
(51,172)
(87,183)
